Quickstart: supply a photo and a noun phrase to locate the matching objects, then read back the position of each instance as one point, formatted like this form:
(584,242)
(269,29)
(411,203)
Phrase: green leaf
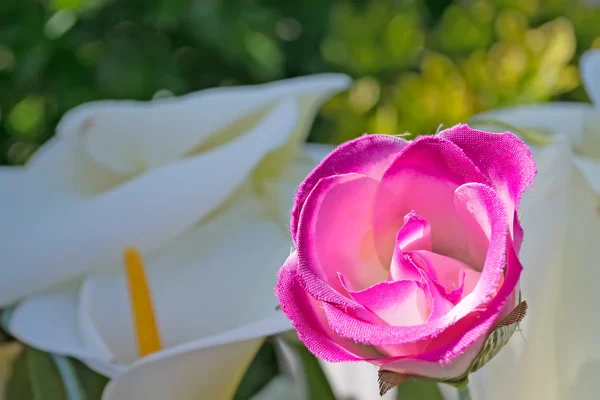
(261,371)
(91,381)
(317,385)
(45,380)
(419,389)
(38,375)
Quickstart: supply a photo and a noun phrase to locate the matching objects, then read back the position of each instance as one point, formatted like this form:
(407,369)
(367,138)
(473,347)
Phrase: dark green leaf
(91,381)
(261,371)
(37,376)
(45,380)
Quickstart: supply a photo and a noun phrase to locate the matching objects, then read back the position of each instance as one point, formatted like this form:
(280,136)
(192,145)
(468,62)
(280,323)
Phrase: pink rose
(407,252)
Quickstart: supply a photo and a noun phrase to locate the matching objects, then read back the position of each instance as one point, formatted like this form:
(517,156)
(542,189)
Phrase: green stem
(464,394)
(69,377)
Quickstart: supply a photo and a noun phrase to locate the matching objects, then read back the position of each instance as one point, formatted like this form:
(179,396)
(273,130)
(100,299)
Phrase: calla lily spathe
(197,184)
(558,357)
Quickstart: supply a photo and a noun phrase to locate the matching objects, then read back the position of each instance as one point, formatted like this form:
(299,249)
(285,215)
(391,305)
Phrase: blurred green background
(416,63)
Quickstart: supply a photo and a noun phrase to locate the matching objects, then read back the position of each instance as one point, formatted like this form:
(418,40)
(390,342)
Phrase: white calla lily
(556,357)
(197,185)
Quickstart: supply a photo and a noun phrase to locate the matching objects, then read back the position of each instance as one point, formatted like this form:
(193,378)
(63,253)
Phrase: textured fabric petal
(400,303)
(503,158)
(415,234)
(174,197)
(218,364)
(489,210)
(309,320)
(403,266)
(423,178)
(368,155)
(433,369)
(590,74)
(477,238)
(451,353)
(129,136)
(241,242)
(325,220)
(451,273)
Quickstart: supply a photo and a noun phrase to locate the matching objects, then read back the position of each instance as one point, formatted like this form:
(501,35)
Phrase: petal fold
(368,155)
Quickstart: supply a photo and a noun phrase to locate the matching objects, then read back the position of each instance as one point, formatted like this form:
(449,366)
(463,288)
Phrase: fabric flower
(557,357)
(407,253)
(544,212)
(191,189)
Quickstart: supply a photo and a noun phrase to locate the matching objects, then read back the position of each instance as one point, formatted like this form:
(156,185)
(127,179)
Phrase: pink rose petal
(504,159)
(423,178)
(336,234)
(368,155)
(309,319)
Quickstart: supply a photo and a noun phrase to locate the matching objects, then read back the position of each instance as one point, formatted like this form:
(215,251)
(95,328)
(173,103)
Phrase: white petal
(214,278)
(355,380)
(128,136)
(590,74)
(63,167)
(280,190)
(49,322)
(578,326)
(290,364)
(528,367)
(578,121)
(590,169)
(204,369)
(280,388)
(145,212)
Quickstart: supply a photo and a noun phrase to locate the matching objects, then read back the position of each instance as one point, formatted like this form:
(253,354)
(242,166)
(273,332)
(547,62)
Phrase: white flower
(200,186)
(557,356)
